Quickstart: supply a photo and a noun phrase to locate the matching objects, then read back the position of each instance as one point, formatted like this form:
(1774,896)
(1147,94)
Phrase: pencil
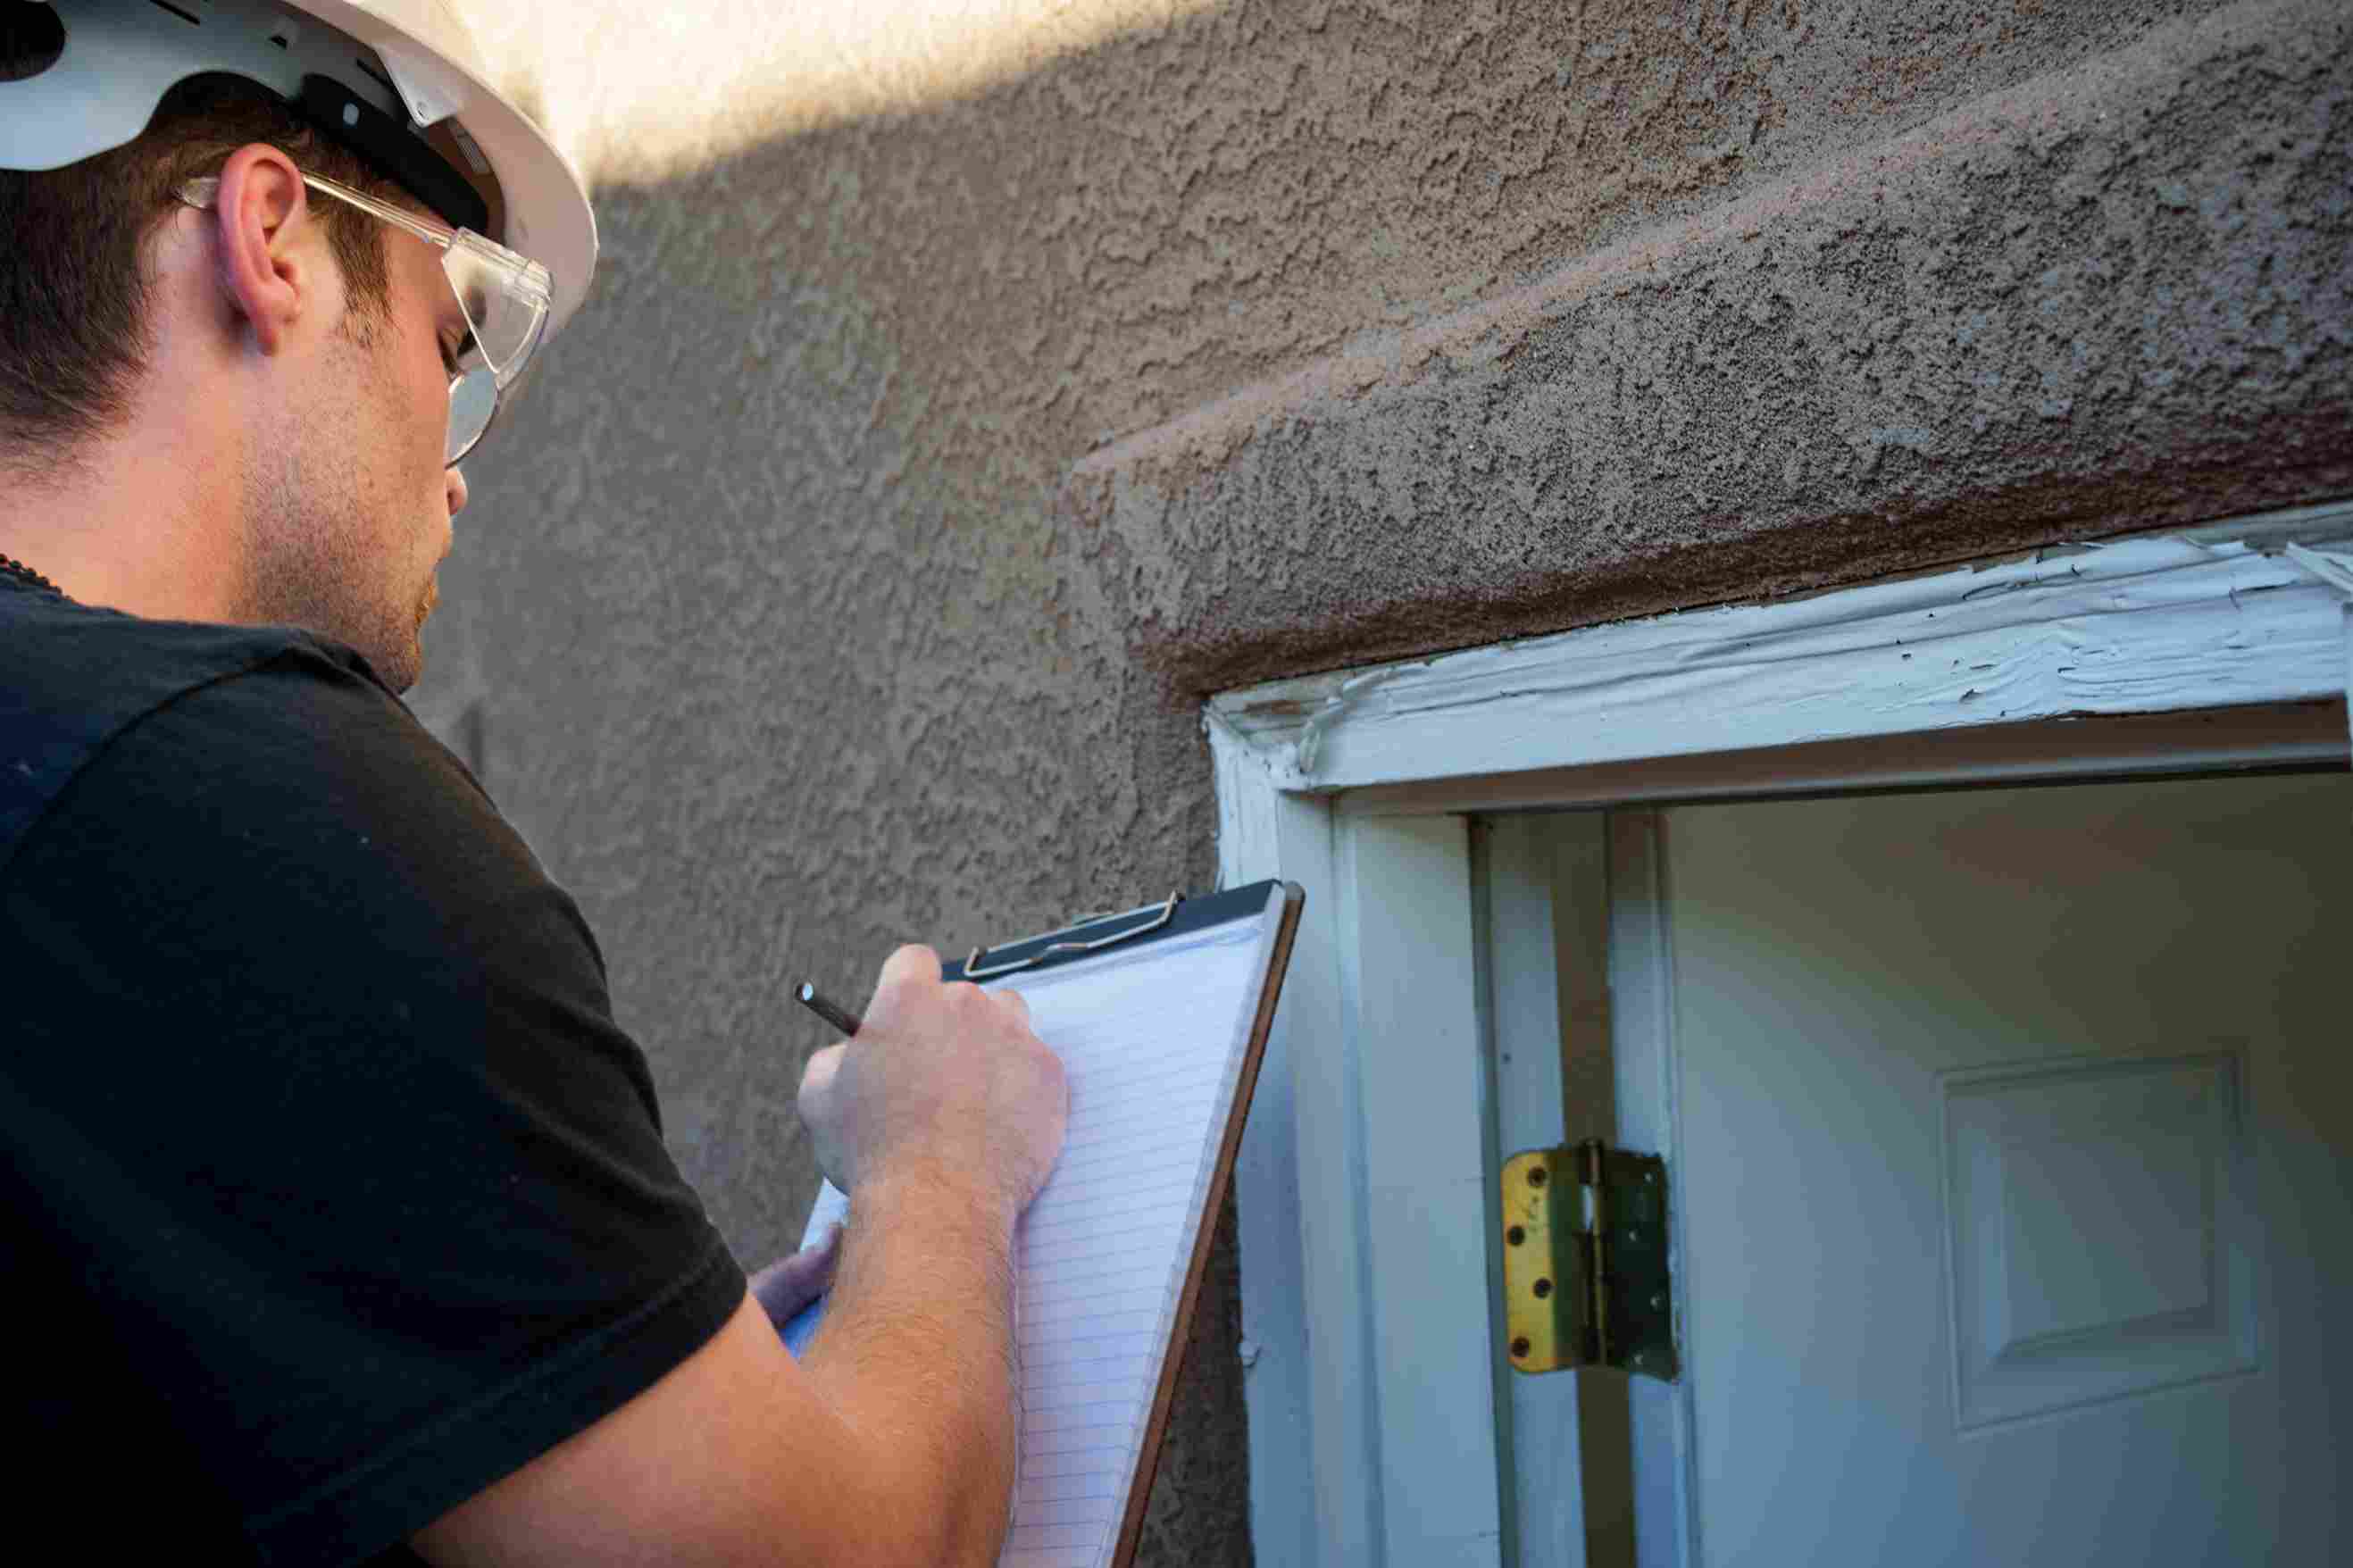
(833,1011)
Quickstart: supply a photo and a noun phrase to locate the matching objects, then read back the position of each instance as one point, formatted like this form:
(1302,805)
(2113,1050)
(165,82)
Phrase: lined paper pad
(1154,1040)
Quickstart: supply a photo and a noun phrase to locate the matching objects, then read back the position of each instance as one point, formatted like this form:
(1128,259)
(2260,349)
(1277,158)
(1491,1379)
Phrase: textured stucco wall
(853,568)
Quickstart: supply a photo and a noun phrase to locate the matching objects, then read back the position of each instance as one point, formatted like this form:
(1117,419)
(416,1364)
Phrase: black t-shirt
(334,1193)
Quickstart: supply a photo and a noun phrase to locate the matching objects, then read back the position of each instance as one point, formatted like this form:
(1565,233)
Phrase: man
(343,1229)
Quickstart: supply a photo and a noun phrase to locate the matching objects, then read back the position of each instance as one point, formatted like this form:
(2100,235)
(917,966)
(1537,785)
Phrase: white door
(2015,1171)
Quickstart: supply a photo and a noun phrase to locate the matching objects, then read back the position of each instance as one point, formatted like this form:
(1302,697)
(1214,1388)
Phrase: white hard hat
(399,82)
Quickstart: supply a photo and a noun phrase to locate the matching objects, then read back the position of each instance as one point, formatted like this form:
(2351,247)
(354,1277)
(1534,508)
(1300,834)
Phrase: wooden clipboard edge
(1147,1462)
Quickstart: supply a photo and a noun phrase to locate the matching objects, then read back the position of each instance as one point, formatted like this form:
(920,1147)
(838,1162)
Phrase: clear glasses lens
(505,298)
(473,399)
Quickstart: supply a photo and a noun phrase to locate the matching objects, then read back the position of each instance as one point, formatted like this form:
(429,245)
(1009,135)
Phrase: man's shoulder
(277,815)
(198,709)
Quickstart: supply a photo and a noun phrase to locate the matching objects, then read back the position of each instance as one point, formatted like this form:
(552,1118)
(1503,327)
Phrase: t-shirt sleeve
(361,1179)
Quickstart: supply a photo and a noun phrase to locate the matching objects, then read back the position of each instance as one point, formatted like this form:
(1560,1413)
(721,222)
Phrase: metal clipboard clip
(1161,913)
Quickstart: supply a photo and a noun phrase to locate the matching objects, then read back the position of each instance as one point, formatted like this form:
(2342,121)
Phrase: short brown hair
(73,282)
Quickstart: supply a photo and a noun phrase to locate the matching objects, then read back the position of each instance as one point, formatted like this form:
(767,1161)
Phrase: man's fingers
(785,1287)
(817,1079)
(820,1115)
(913,964)
(1013,1002)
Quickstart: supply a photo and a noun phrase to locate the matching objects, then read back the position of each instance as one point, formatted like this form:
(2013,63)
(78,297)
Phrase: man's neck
(139,519)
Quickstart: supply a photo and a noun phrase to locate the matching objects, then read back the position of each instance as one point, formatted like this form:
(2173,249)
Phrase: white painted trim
(2219,618)
(1409,997)
(2225,739)
(1299,1195)
(2153,624)
(2333,567)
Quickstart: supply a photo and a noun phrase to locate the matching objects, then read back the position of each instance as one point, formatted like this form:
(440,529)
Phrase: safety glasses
(504,297)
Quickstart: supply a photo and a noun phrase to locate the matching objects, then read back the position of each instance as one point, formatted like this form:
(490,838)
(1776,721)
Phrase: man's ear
(258,218)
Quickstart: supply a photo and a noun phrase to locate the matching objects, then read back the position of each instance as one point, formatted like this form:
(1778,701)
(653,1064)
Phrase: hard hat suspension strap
(393,151)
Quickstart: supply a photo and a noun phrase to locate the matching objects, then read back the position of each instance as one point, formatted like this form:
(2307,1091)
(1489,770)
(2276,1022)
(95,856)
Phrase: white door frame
(1371,1384)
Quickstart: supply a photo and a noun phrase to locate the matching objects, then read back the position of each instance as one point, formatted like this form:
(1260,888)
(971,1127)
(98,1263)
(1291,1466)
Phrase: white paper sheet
(1153,1039)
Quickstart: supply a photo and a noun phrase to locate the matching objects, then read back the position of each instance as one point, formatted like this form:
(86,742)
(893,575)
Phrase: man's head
(306,339)
(230,306)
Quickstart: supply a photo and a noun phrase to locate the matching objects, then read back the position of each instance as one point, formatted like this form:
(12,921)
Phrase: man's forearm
(916,1350)
(890,1444)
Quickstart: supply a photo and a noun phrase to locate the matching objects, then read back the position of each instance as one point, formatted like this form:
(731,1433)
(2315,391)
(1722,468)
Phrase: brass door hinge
(1586,1281)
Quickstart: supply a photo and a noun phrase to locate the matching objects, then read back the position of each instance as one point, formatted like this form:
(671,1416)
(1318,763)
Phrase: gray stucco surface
(853,571)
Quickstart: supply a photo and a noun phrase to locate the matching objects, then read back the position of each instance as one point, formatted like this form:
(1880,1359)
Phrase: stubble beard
(312,560)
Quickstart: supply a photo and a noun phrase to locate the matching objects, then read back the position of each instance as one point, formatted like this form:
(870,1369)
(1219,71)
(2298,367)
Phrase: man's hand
(941,1079)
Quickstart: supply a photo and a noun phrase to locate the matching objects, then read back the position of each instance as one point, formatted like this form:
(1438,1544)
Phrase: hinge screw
(1536,1175)
(1657,1300)
(1520,1349)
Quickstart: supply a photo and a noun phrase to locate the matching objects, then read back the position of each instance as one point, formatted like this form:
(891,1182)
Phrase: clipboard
(1067,968)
